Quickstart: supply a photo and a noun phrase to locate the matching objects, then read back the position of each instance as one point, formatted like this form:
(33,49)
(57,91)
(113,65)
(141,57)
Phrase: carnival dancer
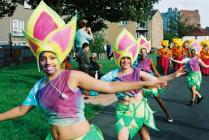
(177,52)
(146,64)
(186,48)
(194,76)
(204,55)
(133,114)
(164,56)
(58,94)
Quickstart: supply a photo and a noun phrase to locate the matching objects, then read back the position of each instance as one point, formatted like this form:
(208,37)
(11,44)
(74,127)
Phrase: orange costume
(177,53)
(204,54)
(164,56)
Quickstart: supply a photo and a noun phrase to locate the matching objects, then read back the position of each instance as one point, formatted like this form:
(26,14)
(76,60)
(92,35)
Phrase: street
(190,123)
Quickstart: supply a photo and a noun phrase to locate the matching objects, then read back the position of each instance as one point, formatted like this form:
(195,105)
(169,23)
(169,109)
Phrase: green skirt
(194,79)
(94,134)
(134,116)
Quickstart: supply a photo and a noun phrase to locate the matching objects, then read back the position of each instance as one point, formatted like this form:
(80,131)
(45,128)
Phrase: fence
(15,54)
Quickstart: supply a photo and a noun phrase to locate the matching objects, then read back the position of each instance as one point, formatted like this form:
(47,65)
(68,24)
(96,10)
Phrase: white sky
(201,5)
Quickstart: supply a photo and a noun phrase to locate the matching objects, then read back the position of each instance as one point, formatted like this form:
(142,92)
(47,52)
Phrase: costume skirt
(205,71)
(94,134)
(164,62)
(194,79)
(134,116)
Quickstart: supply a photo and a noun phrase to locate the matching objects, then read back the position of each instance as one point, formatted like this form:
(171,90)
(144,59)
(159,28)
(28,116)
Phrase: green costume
(194,79)
(94,134)
(134,116)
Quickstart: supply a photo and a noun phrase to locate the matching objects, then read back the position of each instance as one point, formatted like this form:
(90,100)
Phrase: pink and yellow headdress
(46,31)
(125,46)
(195,46)
(165,43)
(143,43)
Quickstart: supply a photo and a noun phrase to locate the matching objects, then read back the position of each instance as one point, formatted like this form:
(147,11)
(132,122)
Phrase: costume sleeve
(31,99)
(110,76)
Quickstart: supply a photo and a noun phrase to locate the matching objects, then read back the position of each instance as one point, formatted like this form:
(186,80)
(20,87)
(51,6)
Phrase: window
(123,23)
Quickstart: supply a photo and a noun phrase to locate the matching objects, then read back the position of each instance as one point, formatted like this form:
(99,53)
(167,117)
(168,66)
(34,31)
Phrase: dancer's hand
(180,71)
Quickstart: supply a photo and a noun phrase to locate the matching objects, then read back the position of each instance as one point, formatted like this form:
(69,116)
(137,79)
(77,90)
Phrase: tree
(178,28)
(7,7)
(97,45)
(96,12)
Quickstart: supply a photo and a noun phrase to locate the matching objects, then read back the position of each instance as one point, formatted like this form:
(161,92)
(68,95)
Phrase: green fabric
(133,116)
(152,91)
(94,133)
(194,79)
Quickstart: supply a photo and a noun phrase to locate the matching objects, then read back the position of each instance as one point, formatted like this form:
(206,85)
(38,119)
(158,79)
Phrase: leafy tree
(178,28)
(96,12)
(97,45)
(7,7)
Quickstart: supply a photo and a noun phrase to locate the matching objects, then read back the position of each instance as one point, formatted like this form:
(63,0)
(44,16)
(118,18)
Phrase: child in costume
(58,94)
(194,76)
(146,64)
(164,56)
(204,55)
(133,114)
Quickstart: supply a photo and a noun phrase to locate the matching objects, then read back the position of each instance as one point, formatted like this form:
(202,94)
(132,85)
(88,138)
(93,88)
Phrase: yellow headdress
(179,42)
(125,46)
(143,43)
(46,31)
(165,43)
(205,43)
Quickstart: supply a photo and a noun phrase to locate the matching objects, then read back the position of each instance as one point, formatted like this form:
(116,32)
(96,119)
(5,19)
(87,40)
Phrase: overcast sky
(201,5)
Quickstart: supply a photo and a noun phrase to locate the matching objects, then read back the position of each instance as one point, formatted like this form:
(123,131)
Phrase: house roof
(199,32)
(153,12)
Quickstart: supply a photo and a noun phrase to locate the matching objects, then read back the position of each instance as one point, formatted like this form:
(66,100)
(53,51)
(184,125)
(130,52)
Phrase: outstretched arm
(15,112)
(80,79)
(203,64)
(177,61)
(179,72)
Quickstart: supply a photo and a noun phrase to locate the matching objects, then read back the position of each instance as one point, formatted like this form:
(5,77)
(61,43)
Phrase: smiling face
(125,63)
(49,63)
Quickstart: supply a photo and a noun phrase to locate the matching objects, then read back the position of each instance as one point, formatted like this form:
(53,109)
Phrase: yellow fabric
(165,43)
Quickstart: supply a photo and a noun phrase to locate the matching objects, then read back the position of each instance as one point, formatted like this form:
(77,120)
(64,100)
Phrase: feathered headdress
(179,42)
(125,46)
(165,43)
(46,31)
(143,43)
(205,43)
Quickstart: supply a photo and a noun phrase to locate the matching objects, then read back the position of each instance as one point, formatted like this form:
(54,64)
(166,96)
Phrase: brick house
(193,16)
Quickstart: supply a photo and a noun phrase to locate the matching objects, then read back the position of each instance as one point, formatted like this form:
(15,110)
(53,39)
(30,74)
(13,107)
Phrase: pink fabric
(144,65)
(33,46)
(134,51)
(44,26)
(124,43)
(205,71)
(62,38)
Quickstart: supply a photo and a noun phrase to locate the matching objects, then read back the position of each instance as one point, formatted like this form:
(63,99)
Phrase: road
(190,123)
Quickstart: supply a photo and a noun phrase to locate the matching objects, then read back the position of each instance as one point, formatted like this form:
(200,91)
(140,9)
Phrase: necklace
(62,95)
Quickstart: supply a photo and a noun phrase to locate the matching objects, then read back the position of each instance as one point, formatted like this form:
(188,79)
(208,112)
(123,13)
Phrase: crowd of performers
(59,93)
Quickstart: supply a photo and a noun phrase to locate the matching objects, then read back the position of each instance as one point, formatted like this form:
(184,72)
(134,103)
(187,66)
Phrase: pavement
(190,123)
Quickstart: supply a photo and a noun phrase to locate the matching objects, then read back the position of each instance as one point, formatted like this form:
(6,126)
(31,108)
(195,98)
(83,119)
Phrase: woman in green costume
(194,76)
(133,114)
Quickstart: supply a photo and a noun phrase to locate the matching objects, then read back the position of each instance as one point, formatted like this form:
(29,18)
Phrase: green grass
(16,82)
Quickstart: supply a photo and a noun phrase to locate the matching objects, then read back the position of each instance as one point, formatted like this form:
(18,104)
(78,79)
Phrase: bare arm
(80,79)
(15,112)
(202,63)
(177,61)
(179,72)
(154,69)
